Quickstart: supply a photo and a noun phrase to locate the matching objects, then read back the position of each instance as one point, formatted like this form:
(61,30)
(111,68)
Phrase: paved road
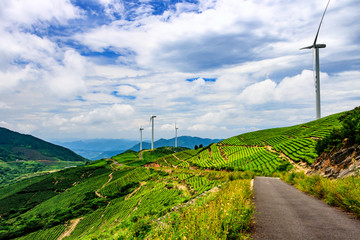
(283,212)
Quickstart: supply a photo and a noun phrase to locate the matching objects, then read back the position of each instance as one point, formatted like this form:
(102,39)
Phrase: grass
(225,214)
(158,203)
(343,193)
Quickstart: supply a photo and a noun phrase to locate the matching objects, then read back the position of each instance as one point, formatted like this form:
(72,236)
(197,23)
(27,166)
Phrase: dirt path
(97,191)
(73,225)
(177,157)
(298,166)
(283,212)
(140,154)
(137,189)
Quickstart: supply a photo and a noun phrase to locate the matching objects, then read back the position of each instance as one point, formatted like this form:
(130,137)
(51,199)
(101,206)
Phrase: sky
(217,68)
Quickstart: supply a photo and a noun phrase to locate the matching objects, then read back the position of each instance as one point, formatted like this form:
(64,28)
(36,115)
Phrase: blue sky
(218,68)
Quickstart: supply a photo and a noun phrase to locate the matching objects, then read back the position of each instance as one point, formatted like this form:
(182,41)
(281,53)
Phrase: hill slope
(23,154)
(120,199)
(262,151)
(183,141)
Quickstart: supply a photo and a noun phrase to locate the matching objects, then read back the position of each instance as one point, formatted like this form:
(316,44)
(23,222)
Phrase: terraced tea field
(262,151)
(136,195)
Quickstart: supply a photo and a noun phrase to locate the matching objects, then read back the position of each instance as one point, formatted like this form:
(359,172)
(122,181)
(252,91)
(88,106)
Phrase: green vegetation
(114,197)
(23,155)
(132,158)
(169,193)
(344,193)
(263,152)
(350,129)
(225,214)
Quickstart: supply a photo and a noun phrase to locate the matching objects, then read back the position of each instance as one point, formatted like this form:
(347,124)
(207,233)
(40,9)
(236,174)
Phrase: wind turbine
(152,130)
(176,128)
(141,129)
(317,65)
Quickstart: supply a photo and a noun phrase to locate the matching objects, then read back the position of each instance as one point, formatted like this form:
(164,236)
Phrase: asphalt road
(283,212)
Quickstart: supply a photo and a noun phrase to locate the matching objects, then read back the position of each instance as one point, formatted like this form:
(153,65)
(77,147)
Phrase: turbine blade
(317,34)
(308,47)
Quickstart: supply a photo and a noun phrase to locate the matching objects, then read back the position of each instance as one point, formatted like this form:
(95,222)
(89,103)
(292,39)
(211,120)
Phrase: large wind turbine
(152,131)
(317,65)
(141,129)
(176,128)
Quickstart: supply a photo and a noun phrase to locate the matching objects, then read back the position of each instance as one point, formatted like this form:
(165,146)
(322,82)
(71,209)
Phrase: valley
(171,193)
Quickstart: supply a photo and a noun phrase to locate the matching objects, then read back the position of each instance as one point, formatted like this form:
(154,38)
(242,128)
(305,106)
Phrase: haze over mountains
(94,149)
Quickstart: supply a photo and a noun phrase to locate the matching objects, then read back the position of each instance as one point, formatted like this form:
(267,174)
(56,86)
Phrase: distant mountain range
(184,141)
(98,148)
(94,149)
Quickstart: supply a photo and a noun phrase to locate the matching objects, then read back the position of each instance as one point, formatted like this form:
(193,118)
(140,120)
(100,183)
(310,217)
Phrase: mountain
(183,141)
(155,194)
(94,149)
(98,148)
(24,154)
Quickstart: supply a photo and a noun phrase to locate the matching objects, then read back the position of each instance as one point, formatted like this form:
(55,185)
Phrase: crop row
(298,149)
(261,161)
(201,184)
(46,234)
(137,175)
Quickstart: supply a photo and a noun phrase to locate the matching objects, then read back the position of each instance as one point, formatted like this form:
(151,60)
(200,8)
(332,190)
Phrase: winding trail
(97,191)
(283,212)
(73,225)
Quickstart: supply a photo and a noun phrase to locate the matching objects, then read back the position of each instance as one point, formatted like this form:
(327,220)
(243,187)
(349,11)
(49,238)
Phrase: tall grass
(343,193)
(225,214)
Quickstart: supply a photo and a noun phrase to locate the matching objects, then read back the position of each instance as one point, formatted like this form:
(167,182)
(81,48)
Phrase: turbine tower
(141,129)
(152,131)
(176,135)
(317,65)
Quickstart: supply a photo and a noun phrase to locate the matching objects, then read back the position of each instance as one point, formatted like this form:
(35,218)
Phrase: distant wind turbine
(141,129)
(176,128)
(152,131)
(317,65)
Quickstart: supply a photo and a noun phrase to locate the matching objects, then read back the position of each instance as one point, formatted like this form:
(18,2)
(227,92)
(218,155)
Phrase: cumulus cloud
(296,89)
(30,12)
(67,79)
(104,115)
(107,78)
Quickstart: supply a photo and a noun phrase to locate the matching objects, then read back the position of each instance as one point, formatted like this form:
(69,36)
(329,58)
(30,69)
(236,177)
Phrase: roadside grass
(343,193)
(225,214)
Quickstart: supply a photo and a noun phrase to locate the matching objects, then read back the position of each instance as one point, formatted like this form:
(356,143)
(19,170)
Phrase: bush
(344,193)
(350,129)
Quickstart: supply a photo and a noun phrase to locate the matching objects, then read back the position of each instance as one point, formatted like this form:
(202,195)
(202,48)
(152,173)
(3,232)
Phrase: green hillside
(263,151)
(22,154)
(167,193)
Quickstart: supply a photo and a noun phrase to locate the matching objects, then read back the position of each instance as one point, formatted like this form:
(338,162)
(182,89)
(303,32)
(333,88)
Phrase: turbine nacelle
(314,46)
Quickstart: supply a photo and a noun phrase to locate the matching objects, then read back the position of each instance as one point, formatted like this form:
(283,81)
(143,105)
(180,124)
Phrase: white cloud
(59,81)
(67,79)
(4,106)
(25,128)
(110,114)
(30,12)
(167,127)
(258,93)
(296,89)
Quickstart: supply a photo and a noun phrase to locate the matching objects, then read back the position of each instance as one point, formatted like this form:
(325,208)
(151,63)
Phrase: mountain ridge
(25,154)
(95,149)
